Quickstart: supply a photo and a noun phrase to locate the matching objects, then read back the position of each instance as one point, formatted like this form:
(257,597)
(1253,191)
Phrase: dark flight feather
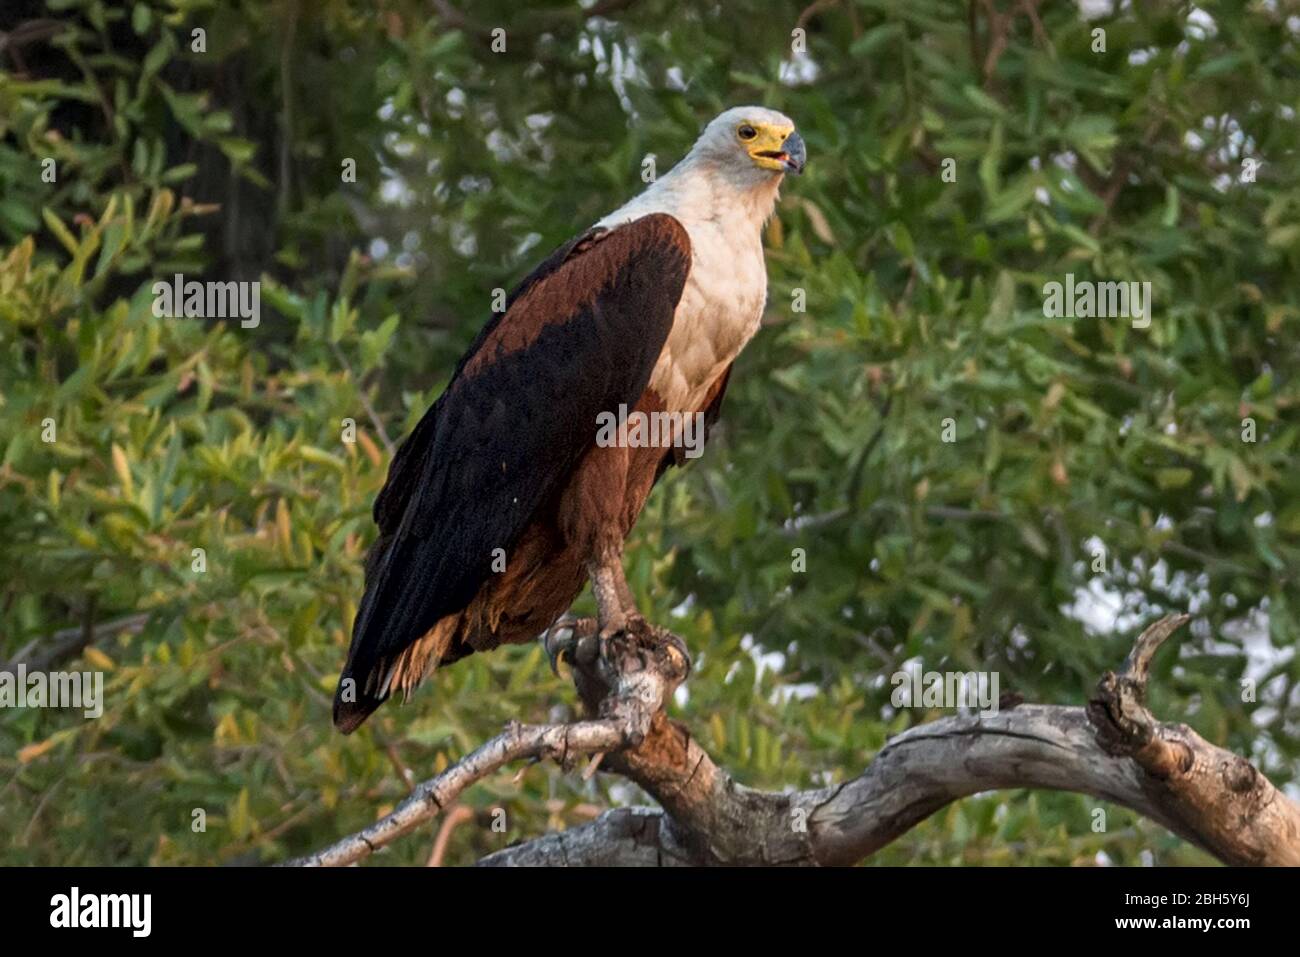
(580,335)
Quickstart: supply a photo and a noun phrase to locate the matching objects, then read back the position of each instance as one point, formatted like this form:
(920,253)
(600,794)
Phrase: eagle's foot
(623,622)
(648,642)
(638,646)
(574,637)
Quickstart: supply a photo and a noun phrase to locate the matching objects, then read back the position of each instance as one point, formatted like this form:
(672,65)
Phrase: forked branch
(1114,749)
(639,673)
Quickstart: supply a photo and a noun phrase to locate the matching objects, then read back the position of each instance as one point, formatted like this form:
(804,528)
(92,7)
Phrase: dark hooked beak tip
(796,154)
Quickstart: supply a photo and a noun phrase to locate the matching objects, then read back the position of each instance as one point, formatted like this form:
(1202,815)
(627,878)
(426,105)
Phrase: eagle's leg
(625,592)
(596,512)
(615,608)
(617,612)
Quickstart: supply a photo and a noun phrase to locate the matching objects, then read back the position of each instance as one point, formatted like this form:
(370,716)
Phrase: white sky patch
(463,239)
(1104,606)
(1200,25)
(763,660)
(456,101)
(684,607)
(1095,9)
(1100,609)
(399,144)
(1223,139)
(773,661)
(395,192)
(800,70)
(504,150)
(527,243)
(616,60)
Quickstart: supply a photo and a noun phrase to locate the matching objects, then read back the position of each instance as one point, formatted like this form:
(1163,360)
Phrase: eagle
(503,502)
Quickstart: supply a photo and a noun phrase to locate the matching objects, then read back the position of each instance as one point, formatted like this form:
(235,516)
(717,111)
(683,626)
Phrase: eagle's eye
(746,132)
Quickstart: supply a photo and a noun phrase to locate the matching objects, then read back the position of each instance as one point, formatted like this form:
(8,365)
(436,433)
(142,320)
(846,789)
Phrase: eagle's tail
(349,714)
(363,685)
(378,665)
(361,688)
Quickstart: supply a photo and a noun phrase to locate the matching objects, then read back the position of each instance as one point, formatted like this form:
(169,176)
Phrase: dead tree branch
(1114,749)
(640,671)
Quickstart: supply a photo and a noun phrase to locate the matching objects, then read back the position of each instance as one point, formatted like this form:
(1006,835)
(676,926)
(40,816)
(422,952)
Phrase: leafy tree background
(923,301)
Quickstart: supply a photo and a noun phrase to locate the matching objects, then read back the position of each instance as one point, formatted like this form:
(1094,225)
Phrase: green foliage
(922,300)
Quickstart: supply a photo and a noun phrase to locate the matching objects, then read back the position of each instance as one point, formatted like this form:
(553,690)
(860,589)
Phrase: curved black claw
(571,636)
(678,645)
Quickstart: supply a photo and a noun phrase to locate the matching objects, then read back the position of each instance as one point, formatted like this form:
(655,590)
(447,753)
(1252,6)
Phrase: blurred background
(380,168)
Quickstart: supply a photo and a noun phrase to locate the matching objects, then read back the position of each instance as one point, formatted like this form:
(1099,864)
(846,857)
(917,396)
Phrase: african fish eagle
(645,310)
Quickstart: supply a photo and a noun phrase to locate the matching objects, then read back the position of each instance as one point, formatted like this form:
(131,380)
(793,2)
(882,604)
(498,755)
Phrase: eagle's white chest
(720,310)
(722,206)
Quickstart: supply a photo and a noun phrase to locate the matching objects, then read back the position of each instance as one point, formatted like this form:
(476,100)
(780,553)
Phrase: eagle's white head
(750,142)
(730,176)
